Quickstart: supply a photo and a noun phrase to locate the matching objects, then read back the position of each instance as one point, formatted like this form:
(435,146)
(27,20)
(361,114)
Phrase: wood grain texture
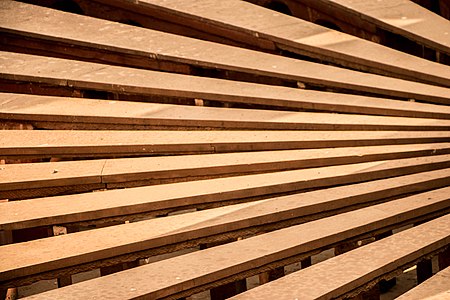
(21,181)
(39,110)
(214,264)
(267,29)
(437,287)
(123,39)
(178,196)
(345,273)
(403,17)
(60,143)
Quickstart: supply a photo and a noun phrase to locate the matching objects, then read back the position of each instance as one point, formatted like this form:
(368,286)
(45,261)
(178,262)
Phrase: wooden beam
(437,287)
(349,273)
(401,17)
(59,143)
(124,43)
(200,270)
(21,181)
(126,204)
(70,113)
(262,29)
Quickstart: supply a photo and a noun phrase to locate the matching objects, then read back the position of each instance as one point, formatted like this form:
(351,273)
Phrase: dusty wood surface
(212,265)
(177,196)
(403,17)
(101,114)
(163,84)
(267,29)
(156,84)
(343,274)
(19,181)
(435,288)
(179,52)
(60,143)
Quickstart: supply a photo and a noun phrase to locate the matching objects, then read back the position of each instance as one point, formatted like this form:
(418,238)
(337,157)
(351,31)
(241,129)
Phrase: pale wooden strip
(175,53)
(265,29)
(41,143)
(343,274)
(184,273)
(44,179)
(403,17)
(80,75)
(435,288)
(152,200)
(70,113)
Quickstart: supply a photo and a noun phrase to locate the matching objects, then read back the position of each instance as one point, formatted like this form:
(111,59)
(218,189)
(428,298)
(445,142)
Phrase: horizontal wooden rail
(132,203)
(402,17)
(254,27)
(150,86)
(69,113)
(60,143)
(20,181)
(347,274)
(123,43)
(437,287)
(184,275)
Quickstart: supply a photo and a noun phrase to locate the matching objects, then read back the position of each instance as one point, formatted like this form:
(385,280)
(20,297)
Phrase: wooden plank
(402,17)
(60,143)
(346,273)
(180,54)
(437,287)
(70,113)
(19,181)
(200,270)
(262,28)
(152,85)
(132,203)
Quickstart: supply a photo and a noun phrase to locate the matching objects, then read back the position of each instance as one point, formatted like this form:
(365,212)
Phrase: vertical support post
(444,259)
(228,290)
(271,275)
(307,262)
(345,247)
(424,270)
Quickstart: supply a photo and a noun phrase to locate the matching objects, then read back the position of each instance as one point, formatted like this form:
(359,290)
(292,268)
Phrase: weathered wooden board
(70,113)
(260,28)
(402,17)
(126,204)
(343,274)
(199,269)
(211,19)
(157,86)
(435,288)
(167,52)
(19,181)
(61,143)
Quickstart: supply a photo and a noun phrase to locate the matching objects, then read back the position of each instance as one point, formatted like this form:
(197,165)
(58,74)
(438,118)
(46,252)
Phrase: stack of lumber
(216,150)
